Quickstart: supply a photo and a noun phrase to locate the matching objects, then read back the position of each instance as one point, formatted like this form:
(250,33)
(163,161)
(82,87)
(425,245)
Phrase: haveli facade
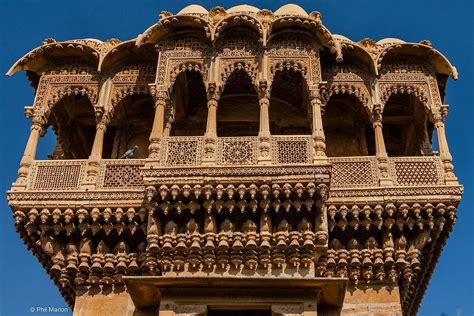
(281,169)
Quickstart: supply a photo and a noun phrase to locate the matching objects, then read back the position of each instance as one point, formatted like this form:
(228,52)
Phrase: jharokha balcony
(238,149)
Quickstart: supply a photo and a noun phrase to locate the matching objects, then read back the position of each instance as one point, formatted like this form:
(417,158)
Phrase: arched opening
(347,127)
(73,122)
(189,102)
(238,109)
(130,126)
(406,128)
(289,104)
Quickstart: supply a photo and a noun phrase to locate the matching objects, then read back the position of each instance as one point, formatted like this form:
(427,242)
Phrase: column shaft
(29,153)
(157,130)
(380,150)
(319,140)
(444,153)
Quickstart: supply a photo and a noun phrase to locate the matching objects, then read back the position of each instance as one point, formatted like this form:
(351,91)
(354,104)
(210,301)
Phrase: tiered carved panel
(123,174)
(291,149)
(237,150)
(353,172)
(57,175)
(182,151)
(214,228)
(416,170)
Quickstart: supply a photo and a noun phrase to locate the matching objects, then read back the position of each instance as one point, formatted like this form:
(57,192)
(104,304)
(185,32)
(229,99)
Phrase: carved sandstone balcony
(182,157)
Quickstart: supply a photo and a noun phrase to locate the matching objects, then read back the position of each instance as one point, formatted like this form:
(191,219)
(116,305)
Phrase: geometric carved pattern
(352,173)
(63,175)
(291,149)
(183,151)
(122,176)
(416,172)
(237,150)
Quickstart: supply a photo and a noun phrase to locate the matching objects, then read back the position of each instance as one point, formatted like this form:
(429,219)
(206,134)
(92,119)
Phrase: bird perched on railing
(130,153)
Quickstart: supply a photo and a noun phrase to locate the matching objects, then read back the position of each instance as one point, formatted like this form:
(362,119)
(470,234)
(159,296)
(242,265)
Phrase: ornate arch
(227,68)
(312,23)
(187,50)
(130,80)
(121,53)
(236,20)
(176,67)
(357,89)
(39,58)
(419,90)
(424,50)
(353,50)
(168,23)
(295,50)
(67,80)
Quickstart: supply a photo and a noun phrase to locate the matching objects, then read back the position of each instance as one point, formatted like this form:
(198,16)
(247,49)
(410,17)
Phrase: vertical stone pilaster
(210,137)
(161,98)
(29,154)
(101,127)
(444,152)
(380,150)
(264,135)
(319,140)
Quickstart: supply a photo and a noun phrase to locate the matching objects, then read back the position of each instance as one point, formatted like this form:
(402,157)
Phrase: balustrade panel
(353,172)
(295,149)
(237,150)
(182,150)
(56,174)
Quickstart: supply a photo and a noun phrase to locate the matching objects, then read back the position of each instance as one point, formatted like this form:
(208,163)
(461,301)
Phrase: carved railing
(120,174)
(294,149)
(346,172)
(188,150)
(56,174)
(413,171)
(182,150)
(353,172)
(237,150)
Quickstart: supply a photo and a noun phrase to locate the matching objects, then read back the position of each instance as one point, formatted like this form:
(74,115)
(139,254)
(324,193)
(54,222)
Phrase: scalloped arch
(235,20)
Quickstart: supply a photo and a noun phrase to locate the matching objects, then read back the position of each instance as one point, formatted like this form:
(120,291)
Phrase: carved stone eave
(146,291)
(225,175)
(441,193)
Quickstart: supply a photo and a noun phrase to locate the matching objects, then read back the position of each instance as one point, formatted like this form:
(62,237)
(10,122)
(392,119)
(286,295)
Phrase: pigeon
(130,153)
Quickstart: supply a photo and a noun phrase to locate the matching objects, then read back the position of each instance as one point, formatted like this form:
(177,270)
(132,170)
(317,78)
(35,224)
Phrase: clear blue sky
(446,23)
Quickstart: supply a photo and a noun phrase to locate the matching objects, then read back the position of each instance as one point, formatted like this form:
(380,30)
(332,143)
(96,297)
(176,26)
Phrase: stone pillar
(168,125)
(161,98)
(264,136)
(96,154)
(380,151)
(210,137)
(319,140)
(29,154)
(101,126)
(444,153)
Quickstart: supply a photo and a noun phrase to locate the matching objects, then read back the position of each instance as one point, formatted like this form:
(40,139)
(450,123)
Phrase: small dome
(390,40)
(291,9)
(193,9)
(243,8)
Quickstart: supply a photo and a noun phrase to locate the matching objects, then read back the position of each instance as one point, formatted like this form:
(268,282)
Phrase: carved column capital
(212,92)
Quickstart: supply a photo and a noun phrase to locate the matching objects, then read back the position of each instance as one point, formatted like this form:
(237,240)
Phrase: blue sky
(446,23)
